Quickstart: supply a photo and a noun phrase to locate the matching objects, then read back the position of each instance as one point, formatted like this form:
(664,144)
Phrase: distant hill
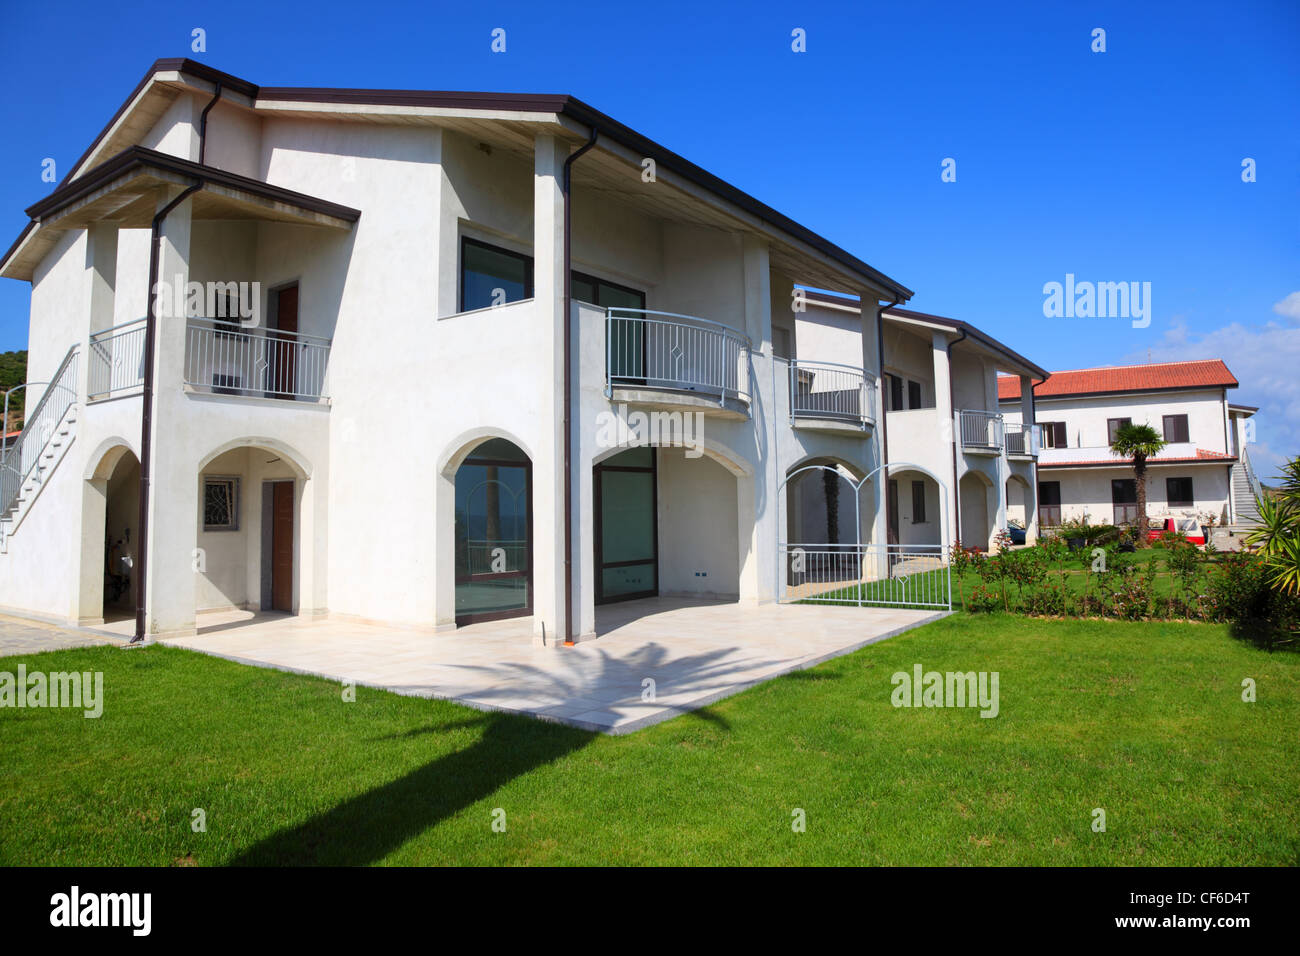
(13,371)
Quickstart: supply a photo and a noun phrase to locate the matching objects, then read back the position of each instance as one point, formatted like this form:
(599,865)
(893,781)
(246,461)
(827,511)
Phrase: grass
(1143,720)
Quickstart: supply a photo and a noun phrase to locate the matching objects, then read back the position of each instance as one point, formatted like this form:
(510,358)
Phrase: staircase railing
(23,456)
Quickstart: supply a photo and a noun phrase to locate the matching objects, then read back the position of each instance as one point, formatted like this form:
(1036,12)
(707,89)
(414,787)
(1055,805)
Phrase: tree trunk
(1140,474)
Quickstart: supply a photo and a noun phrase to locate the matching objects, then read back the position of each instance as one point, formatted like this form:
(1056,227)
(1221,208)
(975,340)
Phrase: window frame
(1049,432)
(918,502)
(1191,488)
(529,286)
(1164,428)
(235,499)
(1110,432)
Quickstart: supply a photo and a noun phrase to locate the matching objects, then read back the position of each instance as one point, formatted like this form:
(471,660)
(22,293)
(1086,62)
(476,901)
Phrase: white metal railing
(22,458)
(893,575)
(116,360)
(982,430)
(1022,439)
(228,359)
(666,350)
(830,390)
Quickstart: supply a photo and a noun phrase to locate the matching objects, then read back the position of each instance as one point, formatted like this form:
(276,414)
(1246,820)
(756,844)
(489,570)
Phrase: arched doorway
(121,535)
(976,532)
(493,533)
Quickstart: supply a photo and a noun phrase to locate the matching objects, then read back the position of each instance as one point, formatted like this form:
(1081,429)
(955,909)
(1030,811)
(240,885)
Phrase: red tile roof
(1201,455)
(1207,373)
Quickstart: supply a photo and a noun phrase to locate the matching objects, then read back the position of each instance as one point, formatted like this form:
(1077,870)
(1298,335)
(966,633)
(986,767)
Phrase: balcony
(827,396)
(1101,454)
(661,358)
(981,432)
(224,358)
(116,365)
(1022,441)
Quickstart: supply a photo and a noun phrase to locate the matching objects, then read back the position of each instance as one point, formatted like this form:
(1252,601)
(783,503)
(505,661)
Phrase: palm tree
(1278,535)
(1138,442)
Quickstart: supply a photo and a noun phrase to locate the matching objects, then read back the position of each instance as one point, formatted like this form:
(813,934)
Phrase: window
(1049,503)
(913,394)
(1178,491)
(605,294)
(918,502)
(492,276)
(780,339)
(220,504)
(895,393)
(1113,425)
(1054,435)
(1175,428)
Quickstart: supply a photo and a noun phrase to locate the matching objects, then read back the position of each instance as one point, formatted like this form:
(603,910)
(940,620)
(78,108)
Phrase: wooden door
(282,546)
(891,528)
(284,347)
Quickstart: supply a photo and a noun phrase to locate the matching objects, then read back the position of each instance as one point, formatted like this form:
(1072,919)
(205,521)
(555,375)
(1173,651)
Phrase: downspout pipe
(952,407)
(568,386)
(203,123)
(146,411)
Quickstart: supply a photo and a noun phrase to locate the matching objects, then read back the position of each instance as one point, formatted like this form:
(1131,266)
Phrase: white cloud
(1266,361)
(1289,307)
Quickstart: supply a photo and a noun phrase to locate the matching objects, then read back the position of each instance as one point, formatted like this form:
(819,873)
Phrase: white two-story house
(432,358)
(1203,470)
(958,468)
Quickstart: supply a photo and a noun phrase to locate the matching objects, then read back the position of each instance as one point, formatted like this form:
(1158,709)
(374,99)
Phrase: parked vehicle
(1186,526)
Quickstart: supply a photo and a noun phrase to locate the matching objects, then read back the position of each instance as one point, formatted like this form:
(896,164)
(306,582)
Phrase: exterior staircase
(33,456)
(1245,487)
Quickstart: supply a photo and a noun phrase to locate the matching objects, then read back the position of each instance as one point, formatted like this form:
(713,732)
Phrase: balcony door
(494,524)
(627,330)
(1123,498)
(282,345)
(627,527)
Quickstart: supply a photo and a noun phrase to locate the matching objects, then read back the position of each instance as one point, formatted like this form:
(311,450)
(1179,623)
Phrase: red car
(1188,526)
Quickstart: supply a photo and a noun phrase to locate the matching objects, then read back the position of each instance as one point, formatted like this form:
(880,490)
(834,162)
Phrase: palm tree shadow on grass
(365,828)
(369,826)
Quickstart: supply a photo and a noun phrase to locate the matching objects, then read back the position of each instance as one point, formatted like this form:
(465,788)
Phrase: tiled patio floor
(695,652)
(22,636)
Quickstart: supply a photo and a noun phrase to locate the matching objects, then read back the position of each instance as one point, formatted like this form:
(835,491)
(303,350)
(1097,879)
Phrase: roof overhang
(127,190)
(511,120)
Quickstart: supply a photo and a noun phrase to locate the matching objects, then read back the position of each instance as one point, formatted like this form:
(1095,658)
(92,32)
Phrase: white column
(174,479)
(548,460)
(944,412)
(873,365)
(1031,496)
(757,529)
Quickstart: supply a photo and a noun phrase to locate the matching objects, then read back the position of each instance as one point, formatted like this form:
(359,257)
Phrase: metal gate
(866,575)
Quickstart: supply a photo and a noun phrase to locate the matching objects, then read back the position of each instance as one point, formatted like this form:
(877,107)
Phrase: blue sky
(1115,166)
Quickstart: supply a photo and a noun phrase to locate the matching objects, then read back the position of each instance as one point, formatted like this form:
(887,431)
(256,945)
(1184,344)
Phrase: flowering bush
(982,600)
(1047,601)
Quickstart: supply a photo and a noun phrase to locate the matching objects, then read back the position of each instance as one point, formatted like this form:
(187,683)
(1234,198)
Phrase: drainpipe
(884,415)
(956,487)
(203,123)
(568,391)
(146,411)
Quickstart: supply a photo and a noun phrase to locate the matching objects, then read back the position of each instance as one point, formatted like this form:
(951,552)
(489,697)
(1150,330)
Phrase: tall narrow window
(491,276)
(1175,428)
(913,394)
(895,393)
(918,502)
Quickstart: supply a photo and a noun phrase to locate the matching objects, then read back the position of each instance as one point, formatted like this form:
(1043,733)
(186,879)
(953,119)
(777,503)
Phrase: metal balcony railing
(116,360)
(831,391)
(1025,440)
(979,430)
(227,359)
(664,350)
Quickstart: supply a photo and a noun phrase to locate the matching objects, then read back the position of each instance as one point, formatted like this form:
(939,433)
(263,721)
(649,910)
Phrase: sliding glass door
(627,536)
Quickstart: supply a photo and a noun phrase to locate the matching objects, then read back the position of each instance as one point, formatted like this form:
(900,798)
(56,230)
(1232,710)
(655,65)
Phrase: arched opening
(121,534)
(976,531)
(250,530)
(1020,505)
(665,523)
(493,533)
(915,509)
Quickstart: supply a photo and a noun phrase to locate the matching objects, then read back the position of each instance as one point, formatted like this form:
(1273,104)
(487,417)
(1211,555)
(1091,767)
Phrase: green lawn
(1143,720)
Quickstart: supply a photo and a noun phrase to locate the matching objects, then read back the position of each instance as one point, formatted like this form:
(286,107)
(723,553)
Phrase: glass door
(627,533)
(494,534)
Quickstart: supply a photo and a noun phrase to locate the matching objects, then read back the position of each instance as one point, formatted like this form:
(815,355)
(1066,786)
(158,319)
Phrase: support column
(1031,497)
(548,457)
(947,438)
(758,507)
(873,369)
(174,482)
